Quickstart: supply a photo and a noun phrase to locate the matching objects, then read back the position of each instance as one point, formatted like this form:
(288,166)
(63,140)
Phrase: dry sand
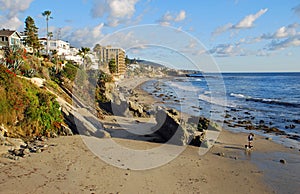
(69,166)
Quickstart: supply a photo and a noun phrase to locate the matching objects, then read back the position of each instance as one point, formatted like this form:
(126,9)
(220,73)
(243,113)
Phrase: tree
(127,60)
(112,66)
(97,49)
(31,33)
(47,15)
(50,35)
(83,52)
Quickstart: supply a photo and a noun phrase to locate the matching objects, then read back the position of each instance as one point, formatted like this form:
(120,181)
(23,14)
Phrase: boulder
(83,122)
(3,130)
(283,161)
(198,138)
(221,154)
(171,129)
(136,108)
(89,125)
(297,121)
(65,130)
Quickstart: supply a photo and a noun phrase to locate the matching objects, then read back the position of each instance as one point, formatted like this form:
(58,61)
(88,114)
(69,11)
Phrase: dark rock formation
(176,128)
(283,161)
(137,109)
(171,129)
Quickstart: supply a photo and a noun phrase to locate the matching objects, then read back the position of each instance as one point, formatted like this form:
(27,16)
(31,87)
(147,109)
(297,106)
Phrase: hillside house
(9,38)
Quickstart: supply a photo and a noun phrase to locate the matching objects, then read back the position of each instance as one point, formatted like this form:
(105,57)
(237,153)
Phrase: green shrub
(25,109)
(112,66)
(69,71)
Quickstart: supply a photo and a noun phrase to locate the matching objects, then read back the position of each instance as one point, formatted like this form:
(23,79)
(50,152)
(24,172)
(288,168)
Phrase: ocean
(271,99)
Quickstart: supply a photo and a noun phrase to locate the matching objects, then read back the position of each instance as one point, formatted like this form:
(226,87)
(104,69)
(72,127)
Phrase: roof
(5,32)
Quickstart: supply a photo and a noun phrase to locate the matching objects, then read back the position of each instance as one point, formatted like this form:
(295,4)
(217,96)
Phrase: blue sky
(238,35)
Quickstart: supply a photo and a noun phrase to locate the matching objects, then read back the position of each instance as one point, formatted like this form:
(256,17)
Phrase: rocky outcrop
(137,109)
(171,129)
(88,124)
(15,149)
(176,128)
(81,121)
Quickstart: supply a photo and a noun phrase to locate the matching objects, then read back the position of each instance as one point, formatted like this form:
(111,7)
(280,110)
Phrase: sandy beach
(67,165)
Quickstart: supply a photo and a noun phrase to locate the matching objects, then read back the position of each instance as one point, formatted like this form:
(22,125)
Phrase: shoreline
(286,139)
(274,145)
(67,165)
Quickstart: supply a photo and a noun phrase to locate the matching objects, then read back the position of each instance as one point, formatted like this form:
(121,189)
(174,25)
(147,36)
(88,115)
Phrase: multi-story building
(106,54)
(62,48)
(9,38)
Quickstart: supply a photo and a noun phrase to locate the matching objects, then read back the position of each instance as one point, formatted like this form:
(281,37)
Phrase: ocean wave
(265,100)
(183,87)
(216,101)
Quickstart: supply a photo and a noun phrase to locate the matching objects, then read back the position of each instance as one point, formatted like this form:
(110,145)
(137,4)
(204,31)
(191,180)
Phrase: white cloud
(125,40)
(117,11)
(12,23)
(168,18)
(283,32)
(13,7)
(249,20)
(11,10)
(222,29)
(227,50)
(284,37)
(181,16)
(122,9)
(246,22)
(86,37)
(293,41)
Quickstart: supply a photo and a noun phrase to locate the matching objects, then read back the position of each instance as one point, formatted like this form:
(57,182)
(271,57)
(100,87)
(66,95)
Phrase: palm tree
(47,15)
(50,35)
(83,52)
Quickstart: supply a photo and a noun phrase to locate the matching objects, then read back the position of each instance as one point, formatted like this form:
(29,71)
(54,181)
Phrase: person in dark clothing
(250,140)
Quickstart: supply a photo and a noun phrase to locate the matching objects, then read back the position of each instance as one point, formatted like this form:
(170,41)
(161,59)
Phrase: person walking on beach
(250,140)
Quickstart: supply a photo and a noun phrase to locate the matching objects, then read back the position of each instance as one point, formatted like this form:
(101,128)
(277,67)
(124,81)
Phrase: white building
(73,55)
(62,47)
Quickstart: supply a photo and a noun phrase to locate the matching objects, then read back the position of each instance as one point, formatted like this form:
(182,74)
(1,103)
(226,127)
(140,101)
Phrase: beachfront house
(9,38)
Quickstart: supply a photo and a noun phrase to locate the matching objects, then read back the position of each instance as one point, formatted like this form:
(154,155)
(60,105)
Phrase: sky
(214,35)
